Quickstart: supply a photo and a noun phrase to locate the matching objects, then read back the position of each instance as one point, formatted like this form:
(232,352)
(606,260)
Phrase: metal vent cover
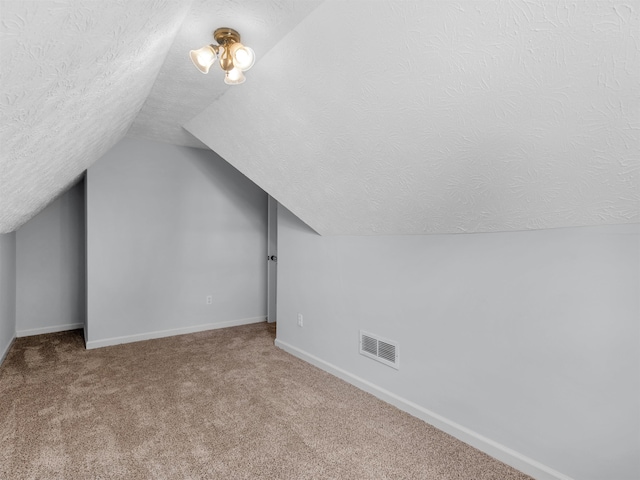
(382,350)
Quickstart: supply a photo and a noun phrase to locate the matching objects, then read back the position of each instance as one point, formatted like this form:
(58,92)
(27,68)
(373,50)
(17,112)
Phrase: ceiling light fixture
(234,57)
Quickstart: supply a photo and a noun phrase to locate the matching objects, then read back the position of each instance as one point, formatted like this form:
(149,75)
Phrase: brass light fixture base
(226,35)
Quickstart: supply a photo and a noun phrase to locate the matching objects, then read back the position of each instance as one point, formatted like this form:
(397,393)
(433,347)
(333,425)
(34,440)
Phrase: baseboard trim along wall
(53,329)
(486,445)
(170,333)
(3,355)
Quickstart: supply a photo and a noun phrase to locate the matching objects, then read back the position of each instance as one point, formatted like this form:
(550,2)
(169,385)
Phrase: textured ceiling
(180,91)
(376,117)
(74,76)
(433,117)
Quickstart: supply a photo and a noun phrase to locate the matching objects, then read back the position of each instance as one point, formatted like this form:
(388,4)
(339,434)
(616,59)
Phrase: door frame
(272,258)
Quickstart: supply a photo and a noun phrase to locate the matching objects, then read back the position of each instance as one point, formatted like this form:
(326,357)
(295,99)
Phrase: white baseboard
(170,333)
(3,354)
(54,329)
(504,454)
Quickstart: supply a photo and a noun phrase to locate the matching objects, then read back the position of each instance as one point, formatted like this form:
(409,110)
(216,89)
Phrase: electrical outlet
(209,299)
(300,320)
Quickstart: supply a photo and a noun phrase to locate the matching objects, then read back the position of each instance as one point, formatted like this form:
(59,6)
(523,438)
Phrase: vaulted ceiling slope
(78,75)
(415,117)
(376,117)
(74,75)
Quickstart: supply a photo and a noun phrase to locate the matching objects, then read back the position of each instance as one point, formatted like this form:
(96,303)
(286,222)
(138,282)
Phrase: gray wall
(7,292)
(166,227)
(50,263)
(529,339)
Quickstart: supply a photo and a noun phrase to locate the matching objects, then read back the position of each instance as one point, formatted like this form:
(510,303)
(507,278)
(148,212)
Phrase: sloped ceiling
(417,117)
(74,76)
(376,117)
(78,75)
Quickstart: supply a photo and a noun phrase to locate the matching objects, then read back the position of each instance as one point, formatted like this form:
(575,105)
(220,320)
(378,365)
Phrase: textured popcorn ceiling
(362,117)
(418,117)
(73,77)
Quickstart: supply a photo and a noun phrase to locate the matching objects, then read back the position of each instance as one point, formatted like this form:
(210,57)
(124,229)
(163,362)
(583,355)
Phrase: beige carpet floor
(222,404)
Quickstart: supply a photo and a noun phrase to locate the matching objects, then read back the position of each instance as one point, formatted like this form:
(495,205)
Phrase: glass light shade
(243,56)
(203,58)
(234,77)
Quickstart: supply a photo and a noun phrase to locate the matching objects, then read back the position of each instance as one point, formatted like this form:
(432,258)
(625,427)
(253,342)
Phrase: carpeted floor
(222,404)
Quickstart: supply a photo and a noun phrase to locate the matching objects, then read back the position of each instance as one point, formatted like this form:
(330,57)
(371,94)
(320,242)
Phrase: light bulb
(234,77)
(203,58)
(243,56)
